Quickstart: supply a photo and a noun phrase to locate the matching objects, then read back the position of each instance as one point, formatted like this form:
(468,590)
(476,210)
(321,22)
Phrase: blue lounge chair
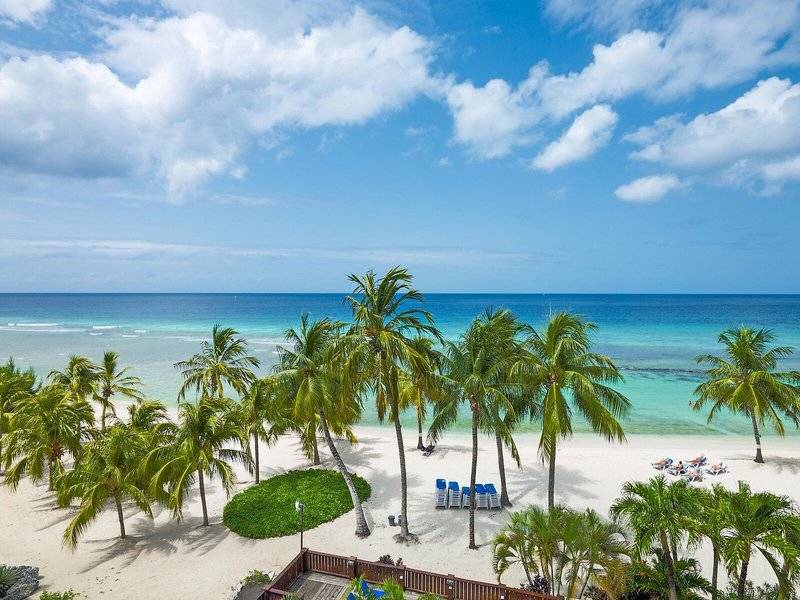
(454,495)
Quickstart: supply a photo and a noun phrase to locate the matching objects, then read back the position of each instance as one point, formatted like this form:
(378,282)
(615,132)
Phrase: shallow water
(653,338)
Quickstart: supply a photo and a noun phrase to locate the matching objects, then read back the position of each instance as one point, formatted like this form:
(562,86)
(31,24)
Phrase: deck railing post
(403,577)
(351,566)
(304,559)
(451,587)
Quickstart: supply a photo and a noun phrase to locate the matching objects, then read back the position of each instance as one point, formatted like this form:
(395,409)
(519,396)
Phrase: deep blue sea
(653,338)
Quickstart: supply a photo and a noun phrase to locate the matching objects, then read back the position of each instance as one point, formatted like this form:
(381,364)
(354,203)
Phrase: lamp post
(300,507)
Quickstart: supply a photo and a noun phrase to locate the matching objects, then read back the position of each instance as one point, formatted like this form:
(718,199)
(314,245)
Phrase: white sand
(166,559)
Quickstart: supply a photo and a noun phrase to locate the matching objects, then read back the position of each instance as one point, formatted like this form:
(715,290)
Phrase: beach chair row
(450,495)
(691,470)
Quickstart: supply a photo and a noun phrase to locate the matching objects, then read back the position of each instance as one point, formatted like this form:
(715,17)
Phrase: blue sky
(555,146)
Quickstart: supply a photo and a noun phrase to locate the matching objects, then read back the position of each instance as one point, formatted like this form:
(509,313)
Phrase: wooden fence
(448,587)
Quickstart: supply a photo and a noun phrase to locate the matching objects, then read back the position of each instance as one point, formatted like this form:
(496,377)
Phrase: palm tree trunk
(103,418)
(258,466)
(742,580)
(585,582)
(472,475)
(203,496)
(398,430)
(757,435)
(501,465)
(362,529)
(314,443)
(714,571)
(120,516)
(551,480)
(665,546)
(420,445)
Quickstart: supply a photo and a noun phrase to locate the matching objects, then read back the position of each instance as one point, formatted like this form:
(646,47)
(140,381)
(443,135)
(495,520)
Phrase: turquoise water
(653,338)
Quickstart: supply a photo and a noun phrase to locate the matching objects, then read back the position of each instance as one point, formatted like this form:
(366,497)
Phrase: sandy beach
(185,560)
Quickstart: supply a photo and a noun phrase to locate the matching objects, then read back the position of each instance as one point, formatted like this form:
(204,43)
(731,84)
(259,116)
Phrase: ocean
(653,338)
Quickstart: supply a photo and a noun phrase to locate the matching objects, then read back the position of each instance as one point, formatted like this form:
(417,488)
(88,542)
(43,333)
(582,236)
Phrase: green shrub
(392,590)
(8,577)
(430,597)
(257,577)
(68,595)
(267,510)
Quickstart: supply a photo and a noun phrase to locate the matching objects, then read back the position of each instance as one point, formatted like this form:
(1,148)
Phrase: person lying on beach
(677,469)
(698,461)
(693,475)
(663,463)
(716,468)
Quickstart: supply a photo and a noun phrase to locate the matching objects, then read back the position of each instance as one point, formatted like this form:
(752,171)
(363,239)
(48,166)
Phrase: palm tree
(657,512)
(15,385)
(107,473)
(78,382)
(418,388)
(648,578)
(310,369)
(564,546)
(261,418)
(43,428)
(223,360)
(707,522)
(112,381)
(477,368)
(763,523)
(566,375)
(197,450)
(386,314)
(745,381)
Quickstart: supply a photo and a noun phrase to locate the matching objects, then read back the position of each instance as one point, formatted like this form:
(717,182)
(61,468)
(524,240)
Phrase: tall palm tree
(310,368)
(477,367)
(262,418)
(746,381)
(15,385)
(222,361)
(107,473)
(763,523)
(43,428)
(198,449)
(113,381)
(567,376)
(656,512)
(386,315)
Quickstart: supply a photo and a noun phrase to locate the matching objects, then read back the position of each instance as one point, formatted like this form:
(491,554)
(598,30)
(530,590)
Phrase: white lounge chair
(441,493)
(453,495)
(494,497)
(481,497)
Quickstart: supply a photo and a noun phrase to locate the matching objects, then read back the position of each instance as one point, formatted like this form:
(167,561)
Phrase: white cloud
(612,15)
(492,119)
(185,95)
(753,142)
(590,131)
(23,11)
(138,250)
(705,47)
(764,121)
(647,189)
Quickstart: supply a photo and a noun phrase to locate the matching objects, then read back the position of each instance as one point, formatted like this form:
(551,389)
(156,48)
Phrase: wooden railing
(447,587)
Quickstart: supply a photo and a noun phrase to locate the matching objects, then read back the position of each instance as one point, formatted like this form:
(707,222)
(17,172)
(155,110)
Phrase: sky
(489,146)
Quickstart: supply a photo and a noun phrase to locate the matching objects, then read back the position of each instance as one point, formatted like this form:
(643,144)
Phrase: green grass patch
(267,510)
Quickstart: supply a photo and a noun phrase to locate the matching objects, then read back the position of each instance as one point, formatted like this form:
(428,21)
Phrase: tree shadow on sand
(148,537)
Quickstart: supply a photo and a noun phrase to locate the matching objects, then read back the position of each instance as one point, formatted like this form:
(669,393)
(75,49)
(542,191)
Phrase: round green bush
(267,510)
